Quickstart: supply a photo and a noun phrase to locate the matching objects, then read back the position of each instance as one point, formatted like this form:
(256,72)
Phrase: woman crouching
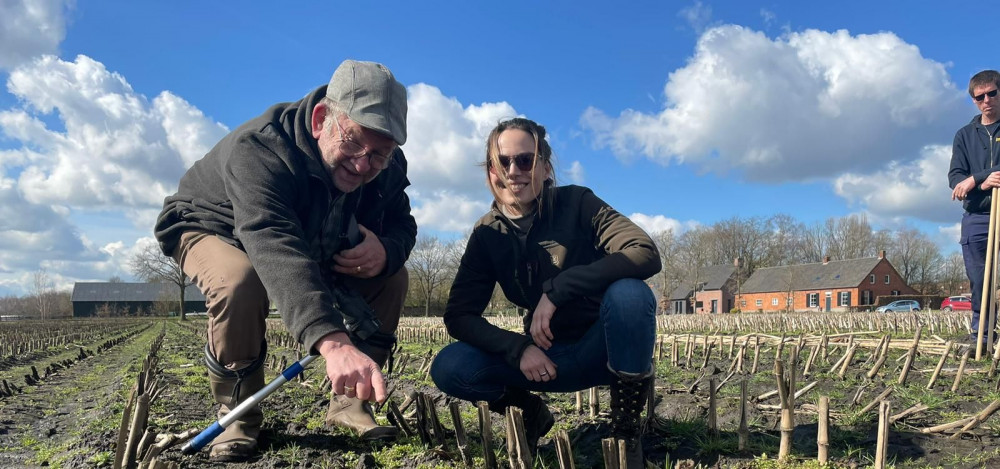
(577,266)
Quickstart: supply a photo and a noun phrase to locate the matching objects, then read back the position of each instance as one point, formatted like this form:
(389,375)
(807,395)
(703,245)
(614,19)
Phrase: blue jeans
(622,338)
(975,234)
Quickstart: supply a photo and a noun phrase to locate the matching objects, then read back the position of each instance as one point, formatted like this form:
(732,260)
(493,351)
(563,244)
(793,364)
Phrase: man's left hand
(365,260)
(962,189)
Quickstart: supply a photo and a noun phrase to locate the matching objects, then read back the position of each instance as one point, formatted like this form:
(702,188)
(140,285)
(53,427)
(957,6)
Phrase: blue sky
(678,113)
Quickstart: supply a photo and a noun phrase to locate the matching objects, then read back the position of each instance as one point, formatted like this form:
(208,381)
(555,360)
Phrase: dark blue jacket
(975,153)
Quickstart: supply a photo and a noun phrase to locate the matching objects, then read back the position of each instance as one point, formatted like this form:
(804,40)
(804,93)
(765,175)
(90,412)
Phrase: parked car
(956,303)
(899,305)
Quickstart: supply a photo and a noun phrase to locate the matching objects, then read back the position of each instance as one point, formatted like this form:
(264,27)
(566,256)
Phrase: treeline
(756,241)
(49,304)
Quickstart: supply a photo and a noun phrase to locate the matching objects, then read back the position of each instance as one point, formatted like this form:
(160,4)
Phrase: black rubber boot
(628,398)
(537,418)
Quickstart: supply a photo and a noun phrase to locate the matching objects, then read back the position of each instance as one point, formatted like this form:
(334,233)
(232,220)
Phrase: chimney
(826,260)
(881,254)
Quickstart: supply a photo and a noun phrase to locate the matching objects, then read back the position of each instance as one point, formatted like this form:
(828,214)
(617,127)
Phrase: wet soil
(70,419)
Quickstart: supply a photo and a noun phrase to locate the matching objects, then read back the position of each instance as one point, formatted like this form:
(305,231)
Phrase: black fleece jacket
(577,246)
(263,188)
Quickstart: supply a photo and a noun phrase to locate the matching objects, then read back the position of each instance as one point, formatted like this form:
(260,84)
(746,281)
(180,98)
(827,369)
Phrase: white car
(899,305)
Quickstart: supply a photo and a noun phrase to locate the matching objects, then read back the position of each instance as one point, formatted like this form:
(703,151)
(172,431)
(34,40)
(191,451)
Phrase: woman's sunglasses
(524,161)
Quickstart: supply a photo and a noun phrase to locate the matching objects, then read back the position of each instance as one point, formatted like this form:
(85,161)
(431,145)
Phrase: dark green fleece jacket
(263,188)
(577,246)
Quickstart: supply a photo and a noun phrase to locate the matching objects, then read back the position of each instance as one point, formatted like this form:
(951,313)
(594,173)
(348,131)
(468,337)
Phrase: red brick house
(714,291)
(827,286)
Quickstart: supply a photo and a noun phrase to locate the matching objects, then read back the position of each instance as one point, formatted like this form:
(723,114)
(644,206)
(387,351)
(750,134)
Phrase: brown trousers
(238,304)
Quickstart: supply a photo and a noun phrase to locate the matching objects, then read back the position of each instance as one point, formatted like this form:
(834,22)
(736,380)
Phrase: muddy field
(71,417)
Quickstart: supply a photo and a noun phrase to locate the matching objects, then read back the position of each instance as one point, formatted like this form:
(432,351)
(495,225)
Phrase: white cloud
(953,233)
(698,15)
(807,105)
(768,16)
(575,174)
(116,153)
(29,28)
(658,223)
(446,146)
(447,211)
(117,149)
(917,189)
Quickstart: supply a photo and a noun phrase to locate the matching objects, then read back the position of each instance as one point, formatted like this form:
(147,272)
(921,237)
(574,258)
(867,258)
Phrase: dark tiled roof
(834,274)
(124,291)
(713,277)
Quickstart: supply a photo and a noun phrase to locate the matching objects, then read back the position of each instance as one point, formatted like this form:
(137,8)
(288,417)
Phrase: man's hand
(365,260)
(536,366)
(351,372)
(540,319)
(993,180)
(962,189)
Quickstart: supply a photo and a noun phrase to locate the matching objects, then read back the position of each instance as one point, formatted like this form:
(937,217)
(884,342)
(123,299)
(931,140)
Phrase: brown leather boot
(628,398)
(238,442)
(357,415)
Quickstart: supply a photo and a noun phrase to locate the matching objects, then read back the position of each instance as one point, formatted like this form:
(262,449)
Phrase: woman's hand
(536,366)
(540,331)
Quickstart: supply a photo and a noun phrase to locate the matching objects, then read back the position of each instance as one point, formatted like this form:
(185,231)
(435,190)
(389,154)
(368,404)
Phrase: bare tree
(917,259)
(813,245)
(428,265)
(151,265)
(43,293)
(669,276)
(849,237)
(952,275)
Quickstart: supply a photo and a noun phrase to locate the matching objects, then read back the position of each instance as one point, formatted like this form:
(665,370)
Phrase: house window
(743,303)
(813,299)
(760,302)
(845,298)
(774,302)
(895,293)
(886,279)
(866,297)
(788,301)
(871,279)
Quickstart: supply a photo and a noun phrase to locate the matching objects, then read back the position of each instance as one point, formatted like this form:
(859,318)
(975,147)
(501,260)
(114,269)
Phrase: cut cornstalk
(908,412)
(882,445)
(978,418)
(940,365)
(564,450)
(911,355)
(461,439)
(961,369)
(823,431)
(744,432)
(881,397)
(713,421)
(486,434)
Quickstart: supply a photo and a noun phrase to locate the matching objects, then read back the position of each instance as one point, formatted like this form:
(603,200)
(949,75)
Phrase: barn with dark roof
(127,298)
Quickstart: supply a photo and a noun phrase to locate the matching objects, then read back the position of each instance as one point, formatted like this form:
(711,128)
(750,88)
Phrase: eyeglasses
(980,97)
(354,151)
(524,161)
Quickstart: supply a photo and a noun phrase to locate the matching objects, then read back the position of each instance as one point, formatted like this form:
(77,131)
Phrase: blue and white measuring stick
(209,434)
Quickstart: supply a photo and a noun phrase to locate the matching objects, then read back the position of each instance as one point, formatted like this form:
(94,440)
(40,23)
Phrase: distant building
(713,291)
(131,298)
(844,285)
